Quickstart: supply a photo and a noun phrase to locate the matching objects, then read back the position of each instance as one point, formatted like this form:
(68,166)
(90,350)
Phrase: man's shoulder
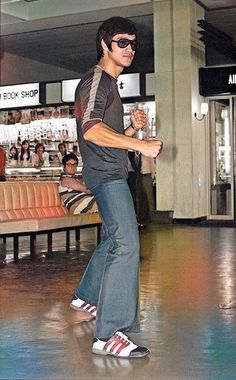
(95,71)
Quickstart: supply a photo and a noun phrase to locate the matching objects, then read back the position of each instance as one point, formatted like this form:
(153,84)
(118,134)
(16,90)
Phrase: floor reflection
(187,274)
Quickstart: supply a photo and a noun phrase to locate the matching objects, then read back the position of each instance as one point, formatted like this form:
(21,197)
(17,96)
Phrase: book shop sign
(19,95)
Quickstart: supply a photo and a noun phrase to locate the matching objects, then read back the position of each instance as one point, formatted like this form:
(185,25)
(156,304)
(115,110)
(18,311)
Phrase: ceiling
(62,33)
(222,15)
(64,36)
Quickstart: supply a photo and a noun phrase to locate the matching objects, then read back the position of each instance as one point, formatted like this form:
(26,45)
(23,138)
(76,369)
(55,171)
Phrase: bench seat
(31,208)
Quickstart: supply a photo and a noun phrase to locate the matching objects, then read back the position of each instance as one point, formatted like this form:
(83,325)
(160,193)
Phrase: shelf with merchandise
(38,125)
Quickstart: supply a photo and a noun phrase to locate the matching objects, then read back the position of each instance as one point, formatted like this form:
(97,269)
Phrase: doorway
(222,158)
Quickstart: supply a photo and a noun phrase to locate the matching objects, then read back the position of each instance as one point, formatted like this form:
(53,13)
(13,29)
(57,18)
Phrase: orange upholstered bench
(31,208)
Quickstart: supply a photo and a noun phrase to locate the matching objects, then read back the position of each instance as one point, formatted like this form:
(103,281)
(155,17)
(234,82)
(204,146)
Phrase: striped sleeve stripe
(92,95)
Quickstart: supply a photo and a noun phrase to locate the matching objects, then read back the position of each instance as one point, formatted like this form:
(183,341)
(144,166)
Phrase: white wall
(14,69)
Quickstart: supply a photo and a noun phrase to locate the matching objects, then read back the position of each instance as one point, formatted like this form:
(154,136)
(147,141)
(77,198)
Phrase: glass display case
(221,158)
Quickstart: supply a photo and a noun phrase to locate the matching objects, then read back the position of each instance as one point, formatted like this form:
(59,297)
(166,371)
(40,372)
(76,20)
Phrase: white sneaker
(78,304)
(119,345)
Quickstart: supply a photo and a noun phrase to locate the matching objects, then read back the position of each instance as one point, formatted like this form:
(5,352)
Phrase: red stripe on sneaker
(115,341)
(124,345)
(88,307)
(110,341)
(93,309)
(83,306)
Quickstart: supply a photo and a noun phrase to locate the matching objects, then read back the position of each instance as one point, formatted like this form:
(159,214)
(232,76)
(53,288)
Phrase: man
(62,151)
(75,195)
(145,189)
(109,286)
(132,180)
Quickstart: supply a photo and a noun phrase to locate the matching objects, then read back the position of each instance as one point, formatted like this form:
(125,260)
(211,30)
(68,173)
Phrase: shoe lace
(123,336)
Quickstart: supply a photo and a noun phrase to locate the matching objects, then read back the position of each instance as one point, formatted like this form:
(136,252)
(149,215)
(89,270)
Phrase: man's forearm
(74,184)
(102,135)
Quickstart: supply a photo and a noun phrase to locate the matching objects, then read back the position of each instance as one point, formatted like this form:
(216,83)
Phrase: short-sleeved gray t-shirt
(97,99)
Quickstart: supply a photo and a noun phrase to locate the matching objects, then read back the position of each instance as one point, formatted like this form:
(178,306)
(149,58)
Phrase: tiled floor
(186,272)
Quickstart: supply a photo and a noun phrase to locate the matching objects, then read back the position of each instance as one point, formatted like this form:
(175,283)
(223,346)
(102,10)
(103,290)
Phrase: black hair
(62,144)
(22,150)
(68,157)
(13,156)
(39,145)
(111,27)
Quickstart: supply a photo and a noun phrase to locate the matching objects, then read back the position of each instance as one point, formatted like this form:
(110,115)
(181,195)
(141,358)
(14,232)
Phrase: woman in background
(13,157)
(25,155)
(40,157)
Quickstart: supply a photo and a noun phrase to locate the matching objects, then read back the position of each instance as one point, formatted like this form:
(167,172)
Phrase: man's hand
(151,148)
(138,119)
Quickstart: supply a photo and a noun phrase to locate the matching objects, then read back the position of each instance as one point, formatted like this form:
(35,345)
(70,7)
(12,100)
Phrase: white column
(178,55)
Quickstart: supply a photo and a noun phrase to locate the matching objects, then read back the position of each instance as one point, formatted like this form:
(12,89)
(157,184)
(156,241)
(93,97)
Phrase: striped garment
(76,202)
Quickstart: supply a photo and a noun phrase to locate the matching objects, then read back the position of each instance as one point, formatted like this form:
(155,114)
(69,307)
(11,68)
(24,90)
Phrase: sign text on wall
(19,95)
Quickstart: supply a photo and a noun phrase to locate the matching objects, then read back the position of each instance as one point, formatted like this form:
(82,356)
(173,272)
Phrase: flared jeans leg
(112,276)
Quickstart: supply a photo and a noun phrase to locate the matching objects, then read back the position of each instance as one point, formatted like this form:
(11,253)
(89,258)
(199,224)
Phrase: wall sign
(19,95)
(217,80)
(129,85)
(68,90)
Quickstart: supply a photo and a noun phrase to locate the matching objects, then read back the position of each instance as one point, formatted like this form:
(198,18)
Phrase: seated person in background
(13,157)
(75,150)
(75,195)
(62,151)
(145,198)
(134,164)
(40,157)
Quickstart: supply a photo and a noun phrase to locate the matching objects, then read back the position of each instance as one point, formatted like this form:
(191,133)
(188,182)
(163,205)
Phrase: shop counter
(50,173)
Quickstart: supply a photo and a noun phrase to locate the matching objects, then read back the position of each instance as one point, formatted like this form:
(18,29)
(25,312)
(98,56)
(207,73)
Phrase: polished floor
(186,273)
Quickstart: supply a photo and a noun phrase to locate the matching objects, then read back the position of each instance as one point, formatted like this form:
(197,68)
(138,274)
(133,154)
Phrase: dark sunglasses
(124,42)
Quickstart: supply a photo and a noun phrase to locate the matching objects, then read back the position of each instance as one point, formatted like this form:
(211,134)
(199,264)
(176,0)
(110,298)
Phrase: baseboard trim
(189,221)
(162,217)
(166,217)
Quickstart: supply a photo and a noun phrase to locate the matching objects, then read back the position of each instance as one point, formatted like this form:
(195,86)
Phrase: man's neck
(110,69)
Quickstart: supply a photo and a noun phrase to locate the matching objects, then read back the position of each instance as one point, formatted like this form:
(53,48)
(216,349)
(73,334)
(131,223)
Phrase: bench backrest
(26,200)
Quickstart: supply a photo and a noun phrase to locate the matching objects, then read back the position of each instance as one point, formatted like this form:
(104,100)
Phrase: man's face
(62,149)
(71,167)
(120,54)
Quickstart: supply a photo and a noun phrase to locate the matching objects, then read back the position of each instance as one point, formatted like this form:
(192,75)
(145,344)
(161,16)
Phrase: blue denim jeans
(111,280)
